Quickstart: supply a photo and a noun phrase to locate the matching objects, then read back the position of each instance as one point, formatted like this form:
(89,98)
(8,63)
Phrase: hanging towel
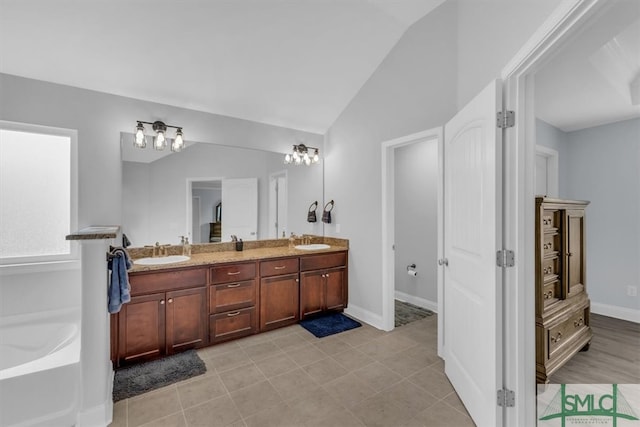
(119,288)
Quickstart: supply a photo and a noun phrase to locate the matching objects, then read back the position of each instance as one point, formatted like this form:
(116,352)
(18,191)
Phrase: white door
(472,235)
(240,208)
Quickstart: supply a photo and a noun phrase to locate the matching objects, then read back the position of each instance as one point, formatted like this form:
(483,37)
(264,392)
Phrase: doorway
(411,222)
(204,194)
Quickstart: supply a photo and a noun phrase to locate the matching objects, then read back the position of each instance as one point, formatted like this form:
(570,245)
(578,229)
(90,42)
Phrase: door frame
(518,194)
(388,220)
(189,195)
(552,158)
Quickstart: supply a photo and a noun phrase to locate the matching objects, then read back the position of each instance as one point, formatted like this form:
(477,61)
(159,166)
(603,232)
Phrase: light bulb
(306,159)
(316,157)
(296,155)
(139,140)
(287,158)
(160,141)
(178,143)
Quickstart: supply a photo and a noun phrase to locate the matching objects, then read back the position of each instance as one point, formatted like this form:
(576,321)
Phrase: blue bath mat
(329,324)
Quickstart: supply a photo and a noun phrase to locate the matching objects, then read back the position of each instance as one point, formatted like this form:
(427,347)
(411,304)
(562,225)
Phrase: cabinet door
(575,253)
(312,293)
(335,298)
(186,319)
(279,297)
(142,328)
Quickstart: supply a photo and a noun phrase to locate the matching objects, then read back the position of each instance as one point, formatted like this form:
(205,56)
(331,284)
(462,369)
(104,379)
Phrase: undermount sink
(313,247)
(161,260)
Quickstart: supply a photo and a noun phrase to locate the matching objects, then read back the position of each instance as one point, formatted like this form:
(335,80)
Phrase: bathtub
(40,369)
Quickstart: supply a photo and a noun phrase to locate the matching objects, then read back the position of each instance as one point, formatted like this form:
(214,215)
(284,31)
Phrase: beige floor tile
(253,340)
(174,420)
(378,411)
(200,390)
(152,406)
(262,350)
(379,349)
(362,335)
(352,359)
(315,406)
(228,360)
(255,398)
(434,382)
(409,397)
(330,345)
(216,412)
(241,377)
(405,365)
(218,349)
(276,365)
(349,390)
(377,376)
(289,341)
(119,414)
(280,415)
(306,355)
(337,418)
(454,401)
(325,370)
(440,415)
(296,384)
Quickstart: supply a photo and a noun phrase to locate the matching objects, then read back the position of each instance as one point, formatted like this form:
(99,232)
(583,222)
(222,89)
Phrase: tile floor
(288,377)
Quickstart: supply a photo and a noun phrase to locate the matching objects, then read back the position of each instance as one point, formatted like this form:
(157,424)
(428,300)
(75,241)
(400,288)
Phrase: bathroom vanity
(218,296)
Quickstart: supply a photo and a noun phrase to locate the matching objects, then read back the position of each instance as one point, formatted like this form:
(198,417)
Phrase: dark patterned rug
(407,313)
(138,379)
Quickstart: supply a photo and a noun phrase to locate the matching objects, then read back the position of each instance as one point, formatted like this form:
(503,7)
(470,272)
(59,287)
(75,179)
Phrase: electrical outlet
(337,228)
(632,291)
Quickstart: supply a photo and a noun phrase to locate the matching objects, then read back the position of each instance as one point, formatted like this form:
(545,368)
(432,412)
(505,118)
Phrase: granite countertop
(207,254)
(95,232)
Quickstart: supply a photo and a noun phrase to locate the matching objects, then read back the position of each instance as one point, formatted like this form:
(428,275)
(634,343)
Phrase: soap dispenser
(186,247)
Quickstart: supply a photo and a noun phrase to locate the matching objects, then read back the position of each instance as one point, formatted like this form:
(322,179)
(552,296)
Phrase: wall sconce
(301,155)
(160,140)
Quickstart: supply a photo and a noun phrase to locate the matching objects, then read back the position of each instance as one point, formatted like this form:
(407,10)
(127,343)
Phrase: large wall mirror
(210,192)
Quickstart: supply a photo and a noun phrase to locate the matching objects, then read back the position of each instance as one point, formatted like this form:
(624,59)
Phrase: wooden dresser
(562,302)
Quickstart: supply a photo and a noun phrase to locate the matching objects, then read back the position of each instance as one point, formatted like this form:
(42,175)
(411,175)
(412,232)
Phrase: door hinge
(506,119)
(505,258)
(506,398)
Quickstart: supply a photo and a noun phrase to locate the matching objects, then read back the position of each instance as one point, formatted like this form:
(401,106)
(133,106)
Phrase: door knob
(443,261)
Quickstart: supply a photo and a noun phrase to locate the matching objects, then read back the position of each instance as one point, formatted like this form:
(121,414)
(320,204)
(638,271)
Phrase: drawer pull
(162,302)
(578,323)
(235,273)
(235,313)
(548,270)
(548,295)
(557,338)
(279,267)
(170,300)
(235,285)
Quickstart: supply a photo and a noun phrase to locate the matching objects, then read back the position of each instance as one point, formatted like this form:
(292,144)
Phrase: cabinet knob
(326,275)
(161,302)
(569,254)
(170,300)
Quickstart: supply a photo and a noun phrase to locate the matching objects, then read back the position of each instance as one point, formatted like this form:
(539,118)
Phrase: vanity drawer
(278,267)
(319,262)
(232,296)
(551,245)
(565,331)
(233,324)
(550,220)
(550,268)
(145,283)
(551,293)
(233,272)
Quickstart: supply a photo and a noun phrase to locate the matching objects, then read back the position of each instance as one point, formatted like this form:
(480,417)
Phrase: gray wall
(440,63)
(416,227)
(604,168)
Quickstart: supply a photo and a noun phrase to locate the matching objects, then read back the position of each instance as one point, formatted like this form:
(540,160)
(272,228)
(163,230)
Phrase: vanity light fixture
(301,154)
(160,140)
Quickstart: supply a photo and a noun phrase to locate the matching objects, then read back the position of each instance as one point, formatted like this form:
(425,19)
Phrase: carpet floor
(407,313)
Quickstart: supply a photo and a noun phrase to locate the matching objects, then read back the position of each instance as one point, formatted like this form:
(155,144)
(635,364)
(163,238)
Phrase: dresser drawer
(551,293)
(233,273)
(550,269)
(318,262)
(233,324)
(550,220)
(232,296)
(551,245)
(564,332)
(145,283)
(279,267)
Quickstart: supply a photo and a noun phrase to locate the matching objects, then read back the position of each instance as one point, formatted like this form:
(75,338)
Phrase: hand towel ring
(326,215)
(311,215)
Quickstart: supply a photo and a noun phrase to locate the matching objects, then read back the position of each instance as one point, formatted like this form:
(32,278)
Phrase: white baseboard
(623,313)
(420,302)
(366,316)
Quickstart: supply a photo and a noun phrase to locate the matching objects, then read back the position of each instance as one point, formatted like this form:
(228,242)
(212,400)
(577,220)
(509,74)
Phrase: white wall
(416,228)
(604,168)
(552,137)
(490,32)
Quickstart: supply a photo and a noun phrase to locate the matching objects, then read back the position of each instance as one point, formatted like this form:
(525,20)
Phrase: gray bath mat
(407,313)
(138,379)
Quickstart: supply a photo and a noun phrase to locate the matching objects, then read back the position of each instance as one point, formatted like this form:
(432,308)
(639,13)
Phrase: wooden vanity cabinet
(232,301)
(279,293)
(167,314)
(323,283)
(562,303)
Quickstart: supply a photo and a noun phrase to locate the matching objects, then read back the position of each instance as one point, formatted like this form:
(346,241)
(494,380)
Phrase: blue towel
(119,288)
